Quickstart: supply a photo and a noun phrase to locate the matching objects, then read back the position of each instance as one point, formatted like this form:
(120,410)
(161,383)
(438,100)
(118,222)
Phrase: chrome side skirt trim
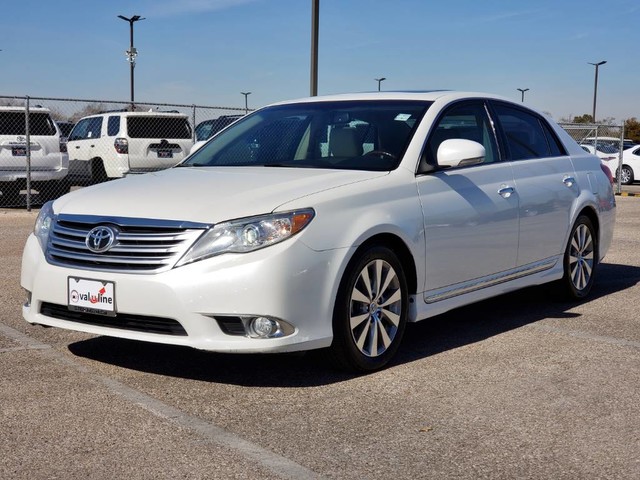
(451,291)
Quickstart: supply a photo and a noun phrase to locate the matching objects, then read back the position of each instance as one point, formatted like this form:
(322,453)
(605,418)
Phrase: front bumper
(288,281)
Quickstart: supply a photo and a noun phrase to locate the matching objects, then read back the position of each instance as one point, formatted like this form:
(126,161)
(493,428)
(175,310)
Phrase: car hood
(205,194)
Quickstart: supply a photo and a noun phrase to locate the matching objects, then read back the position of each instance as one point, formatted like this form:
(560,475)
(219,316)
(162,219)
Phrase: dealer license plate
(165,153)
(91,296)
(19,151)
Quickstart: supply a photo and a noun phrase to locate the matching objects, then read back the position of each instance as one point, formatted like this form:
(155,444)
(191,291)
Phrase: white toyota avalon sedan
(327,222)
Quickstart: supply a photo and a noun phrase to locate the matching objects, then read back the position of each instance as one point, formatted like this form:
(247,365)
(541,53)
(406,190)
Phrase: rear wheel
(580,258)
(626,175)
(98,173)
(370,313)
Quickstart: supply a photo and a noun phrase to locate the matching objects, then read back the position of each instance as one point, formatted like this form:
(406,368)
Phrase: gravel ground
(521,386)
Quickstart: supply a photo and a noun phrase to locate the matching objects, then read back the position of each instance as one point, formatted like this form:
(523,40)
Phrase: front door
(470,213)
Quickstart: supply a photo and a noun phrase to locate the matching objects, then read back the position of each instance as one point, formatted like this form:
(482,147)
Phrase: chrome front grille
(140,246)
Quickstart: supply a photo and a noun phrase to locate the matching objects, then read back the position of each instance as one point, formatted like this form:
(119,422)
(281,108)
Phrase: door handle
(77,146)
(569,181)
(506,191)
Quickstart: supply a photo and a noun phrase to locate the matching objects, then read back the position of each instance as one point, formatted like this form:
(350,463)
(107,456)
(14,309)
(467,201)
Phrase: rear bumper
(35,175)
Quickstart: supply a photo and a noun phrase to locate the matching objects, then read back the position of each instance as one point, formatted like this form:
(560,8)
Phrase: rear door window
(113,126)
(527,135)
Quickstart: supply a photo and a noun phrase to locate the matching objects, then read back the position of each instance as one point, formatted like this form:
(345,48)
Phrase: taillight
(63,147)
(121,145)
(607,172)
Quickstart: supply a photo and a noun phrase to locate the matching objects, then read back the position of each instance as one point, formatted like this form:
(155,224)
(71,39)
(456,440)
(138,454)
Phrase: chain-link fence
(605,141)
(51,145)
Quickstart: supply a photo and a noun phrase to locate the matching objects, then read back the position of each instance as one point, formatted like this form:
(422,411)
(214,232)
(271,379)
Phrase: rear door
(470,213)
(157,142)
(545,181)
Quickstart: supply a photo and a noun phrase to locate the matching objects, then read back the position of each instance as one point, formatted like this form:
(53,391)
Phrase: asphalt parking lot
(521,386)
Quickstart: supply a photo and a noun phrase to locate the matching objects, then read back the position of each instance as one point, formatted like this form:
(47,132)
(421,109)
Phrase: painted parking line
(586,335)
(278,464)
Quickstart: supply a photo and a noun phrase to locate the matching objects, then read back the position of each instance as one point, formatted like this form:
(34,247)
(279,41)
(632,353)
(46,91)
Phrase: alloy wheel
(375,308)
(581,257)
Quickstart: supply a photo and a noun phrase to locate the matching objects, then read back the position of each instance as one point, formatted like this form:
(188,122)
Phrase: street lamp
(522,90)
(379,80)
(315,26)
(595,88)
(246,103)
(132,53)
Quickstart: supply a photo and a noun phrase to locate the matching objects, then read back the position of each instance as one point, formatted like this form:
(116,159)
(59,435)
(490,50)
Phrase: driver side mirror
(459,152)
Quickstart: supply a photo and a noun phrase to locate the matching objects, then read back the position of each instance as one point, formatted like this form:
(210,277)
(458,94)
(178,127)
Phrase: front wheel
(580,259)
(370,313)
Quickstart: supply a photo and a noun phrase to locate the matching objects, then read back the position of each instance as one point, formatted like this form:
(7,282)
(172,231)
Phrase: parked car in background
(605,152)
(327,222)
(116,144)
(65,128)
(612,141)
(48,155)
(630,166)
(208,128)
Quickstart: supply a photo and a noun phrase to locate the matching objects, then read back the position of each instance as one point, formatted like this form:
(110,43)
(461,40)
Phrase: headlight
(248,234)
(44,224)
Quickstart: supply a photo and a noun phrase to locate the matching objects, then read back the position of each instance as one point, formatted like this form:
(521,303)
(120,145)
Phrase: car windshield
(356,135)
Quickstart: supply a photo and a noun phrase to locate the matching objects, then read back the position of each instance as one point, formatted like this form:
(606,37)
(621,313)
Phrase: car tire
(580,259)
(98,173)
(626,178)
(370,313)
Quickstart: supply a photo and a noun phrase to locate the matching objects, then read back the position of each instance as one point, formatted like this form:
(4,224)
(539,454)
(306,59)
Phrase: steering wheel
(382,153)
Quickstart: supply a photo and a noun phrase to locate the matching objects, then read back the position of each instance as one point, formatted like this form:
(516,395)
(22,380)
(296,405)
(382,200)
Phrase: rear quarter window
(158,127)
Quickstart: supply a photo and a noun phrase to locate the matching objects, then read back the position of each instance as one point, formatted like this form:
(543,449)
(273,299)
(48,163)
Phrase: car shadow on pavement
(457,328)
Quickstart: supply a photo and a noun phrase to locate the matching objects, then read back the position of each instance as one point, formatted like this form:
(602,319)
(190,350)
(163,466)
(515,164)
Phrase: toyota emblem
(100,239)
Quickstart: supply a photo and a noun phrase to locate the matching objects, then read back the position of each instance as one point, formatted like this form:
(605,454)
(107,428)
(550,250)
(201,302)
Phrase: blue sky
(208,51)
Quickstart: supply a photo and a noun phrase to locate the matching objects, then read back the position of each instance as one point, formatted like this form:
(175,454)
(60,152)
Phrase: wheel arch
(590,213)
(400,249)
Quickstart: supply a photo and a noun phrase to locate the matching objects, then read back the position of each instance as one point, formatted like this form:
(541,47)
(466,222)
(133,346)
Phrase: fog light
(28,302)
(264,327)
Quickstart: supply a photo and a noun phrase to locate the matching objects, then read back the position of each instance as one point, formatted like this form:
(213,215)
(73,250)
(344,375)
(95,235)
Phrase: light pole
(595,88)
(522,90)
(132,53)
(246,103)
(315,25)
(380,80)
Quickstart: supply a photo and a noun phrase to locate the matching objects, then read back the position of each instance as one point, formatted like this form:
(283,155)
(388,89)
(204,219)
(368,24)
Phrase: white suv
(116,144)
(49,161)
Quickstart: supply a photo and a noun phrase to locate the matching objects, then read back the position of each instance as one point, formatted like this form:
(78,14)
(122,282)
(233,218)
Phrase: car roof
(18,108)
(139,114)
(420,95)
